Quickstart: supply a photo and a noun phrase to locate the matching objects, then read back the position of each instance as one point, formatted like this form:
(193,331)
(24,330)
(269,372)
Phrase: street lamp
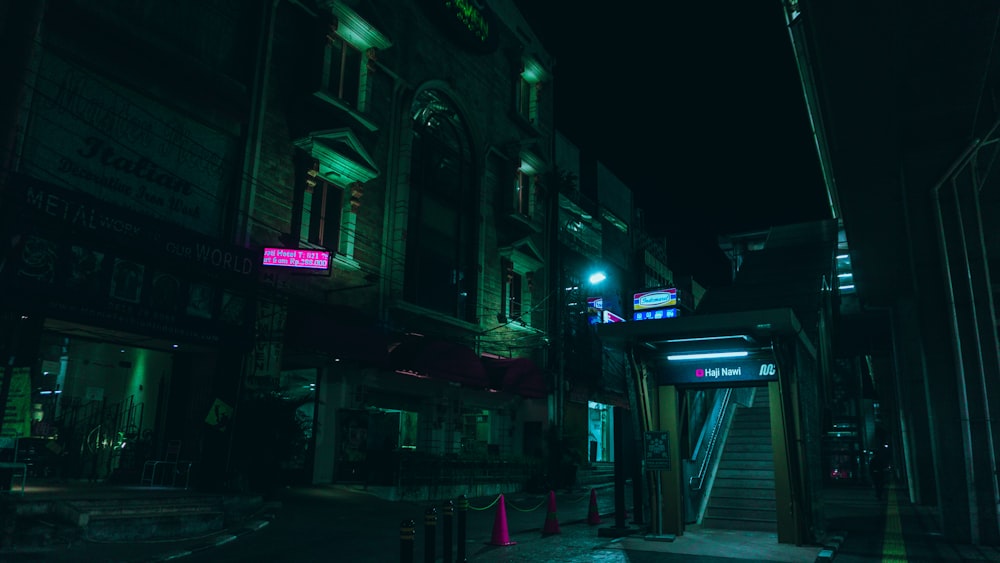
(597,277)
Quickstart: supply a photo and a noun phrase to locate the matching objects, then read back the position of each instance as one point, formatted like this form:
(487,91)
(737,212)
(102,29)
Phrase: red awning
(438,359)
(520,376)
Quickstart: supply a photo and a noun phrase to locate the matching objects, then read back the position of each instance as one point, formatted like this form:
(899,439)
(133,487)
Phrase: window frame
(333,159)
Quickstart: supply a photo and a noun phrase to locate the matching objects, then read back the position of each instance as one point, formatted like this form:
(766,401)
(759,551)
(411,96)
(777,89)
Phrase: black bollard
(430,524)
(449,514)
(406,534)
(463,512)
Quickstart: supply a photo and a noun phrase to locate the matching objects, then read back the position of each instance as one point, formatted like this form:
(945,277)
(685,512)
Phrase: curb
(220,539)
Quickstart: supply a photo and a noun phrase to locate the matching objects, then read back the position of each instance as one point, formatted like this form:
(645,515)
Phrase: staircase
(742,496)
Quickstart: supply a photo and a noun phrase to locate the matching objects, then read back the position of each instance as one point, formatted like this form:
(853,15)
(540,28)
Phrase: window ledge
(351,112)
(526,124)
(343,262)
(338,260)
(529,222)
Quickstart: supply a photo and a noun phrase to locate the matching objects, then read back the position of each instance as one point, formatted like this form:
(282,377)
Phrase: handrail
(713,437)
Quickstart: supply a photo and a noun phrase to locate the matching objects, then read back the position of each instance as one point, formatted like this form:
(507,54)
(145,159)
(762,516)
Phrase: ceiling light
(707,356)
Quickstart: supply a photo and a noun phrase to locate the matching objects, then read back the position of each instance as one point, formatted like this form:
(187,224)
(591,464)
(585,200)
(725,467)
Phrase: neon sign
(470,23)
(296,258)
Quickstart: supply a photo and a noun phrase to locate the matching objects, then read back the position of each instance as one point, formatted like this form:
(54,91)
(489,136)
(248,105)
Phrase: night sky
(697,107)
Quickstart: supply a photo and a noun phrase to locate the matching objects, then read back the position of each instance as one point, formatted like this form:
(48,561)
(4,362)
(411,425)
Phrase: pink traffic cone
(551,521)
(593,516)
(500,534)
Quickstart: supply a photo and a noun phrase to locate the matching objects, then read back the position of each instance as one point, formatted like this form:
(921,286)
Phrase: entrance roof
(759,325)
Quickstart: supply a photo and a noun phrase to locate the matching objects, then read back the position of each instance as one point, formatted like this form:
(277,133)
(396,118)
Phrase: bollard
(449,513)
(430,524)
(406,534)
(463,513)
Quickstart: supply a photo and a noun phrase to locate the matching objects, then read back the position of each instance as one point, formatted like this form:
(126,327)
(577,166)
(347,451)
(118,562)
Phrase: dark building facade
(902,101)
(156,156)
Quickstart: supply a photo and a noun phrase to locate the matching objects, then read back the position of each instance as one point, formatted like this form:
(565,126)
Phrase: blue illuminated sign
(656,314)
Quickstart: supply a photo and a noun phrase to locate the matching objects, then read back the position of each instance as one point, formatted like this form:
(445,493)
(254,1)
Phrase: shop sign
(656,299)
(719,372)
(85,215)
(470,23)
(297,258)
(99,137)
(654,314)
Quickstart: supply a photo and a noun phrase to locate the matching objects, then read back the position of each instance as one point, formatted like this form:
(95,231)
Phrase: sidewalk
(859,528)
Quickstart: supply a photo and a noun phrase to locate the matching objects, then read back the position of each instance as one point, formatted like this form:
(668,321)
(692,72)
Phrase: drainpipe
(255,129)
(957,340)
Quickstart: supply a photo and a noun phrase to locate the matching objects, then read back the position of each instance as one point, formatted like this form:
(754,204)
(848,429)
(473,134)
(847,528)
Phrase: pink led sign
(296,258)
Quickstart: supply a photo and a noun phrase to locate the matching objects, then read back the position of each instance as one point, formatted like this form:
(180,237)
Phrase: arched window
(441,237)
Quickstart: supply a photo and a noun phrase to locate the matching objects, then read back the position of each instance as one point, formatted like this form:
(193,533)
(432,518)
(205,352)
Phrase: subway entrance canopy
(746,348)
(766,349)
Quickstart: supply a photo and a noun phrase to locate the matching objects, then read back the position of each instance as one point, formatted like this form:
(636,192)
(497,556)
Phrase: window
(527,100)
(518,265)
(529,83)
(525,177)
(334,168)
(351,47)
(523,192)
(442,235)
(326,213)
(344,70)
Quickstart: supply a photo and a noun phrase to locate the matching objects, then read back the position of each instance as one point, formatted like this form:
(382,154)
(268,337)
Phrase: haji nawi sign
(722,372)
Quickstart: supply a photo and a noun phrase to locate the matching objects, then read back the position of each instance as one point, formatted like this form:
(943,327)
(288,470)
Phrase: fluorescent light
(707,356)
(842,257)
(844,275)
(699,339)
(598,277)
(851,286)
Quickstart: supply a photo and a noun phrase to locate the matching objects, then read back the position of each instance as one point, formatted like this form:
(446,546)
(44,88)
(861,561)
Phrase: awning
(520,376)
(438,359)
(324,333)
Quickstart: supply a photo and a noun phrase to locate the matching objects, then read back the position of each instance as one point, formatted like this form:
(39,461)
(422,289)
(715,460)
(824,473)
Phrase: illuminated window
(511,292)
(351,47)
(333,169)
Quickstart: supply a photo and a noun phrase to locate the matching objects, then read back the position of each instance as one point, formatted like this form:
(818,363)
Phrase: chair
(171,462)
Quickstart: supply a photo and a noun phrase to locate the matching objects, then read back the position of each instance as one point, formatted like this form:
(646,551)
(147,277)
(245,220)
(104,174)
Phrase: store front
(139,327)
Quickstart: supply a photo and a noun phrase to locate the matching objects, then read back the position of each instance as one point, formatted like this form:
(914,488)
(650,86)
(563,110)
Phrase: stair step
(739,503)
(132,527)
(745,474)
(737,524)
(753,455)
(749,448)
(745,483)
(760,494)
(729,463)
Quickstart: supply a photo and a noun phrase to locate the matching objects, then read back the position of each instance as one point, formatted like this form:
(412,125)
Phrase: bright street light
(597,277)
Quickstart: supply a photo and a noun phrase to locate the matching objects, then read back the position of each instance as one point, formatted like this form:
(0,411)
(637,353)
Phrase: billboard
(656,299)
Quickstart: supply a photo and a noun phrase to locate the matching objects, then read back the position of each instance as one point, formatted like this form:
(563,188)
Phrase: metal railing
(697,481)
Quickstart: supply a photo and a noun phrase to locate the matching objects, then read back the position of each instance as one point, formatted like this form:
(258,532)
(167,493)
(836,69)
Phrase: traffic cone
(551,521)
(500,533)
(593,516)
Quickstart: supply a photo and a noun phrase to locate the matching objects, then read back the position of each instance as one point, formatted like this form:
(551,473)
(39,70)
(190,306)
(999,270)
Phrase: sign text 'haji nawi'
(722,372)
